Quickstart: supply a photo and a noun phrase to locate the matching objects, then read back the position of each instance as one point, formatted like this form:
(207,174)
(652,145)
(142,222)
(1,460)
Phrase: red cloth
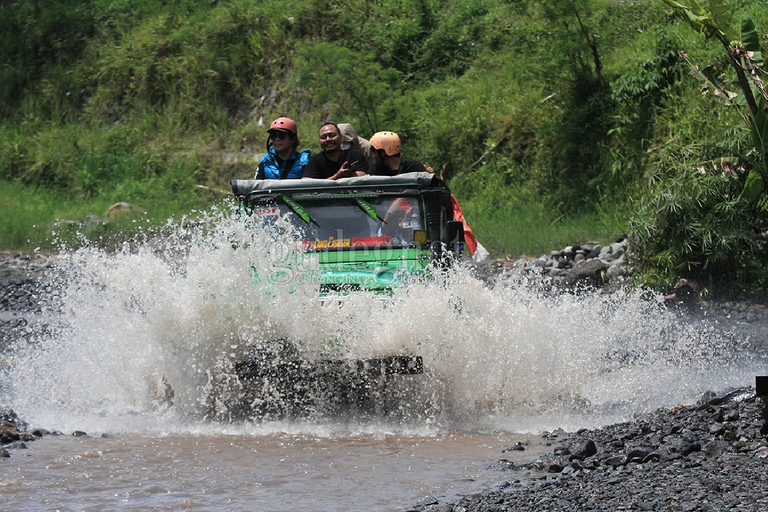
(469,236)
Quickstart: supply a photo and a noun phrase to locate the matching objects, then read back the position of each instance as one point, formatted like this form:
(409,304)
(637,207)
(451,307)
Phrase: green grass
(532,230)
(512,220)
(36,219)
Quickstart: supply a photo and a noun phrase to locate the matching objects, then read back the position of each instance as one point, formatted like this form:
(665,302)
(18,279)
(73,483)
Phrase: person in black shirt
(386,147)
(332,162)
(389,162)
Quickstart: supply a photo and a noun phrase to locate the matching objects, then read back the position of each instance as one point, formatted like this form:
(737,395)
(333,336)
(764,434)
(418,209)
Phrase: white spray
(140,334)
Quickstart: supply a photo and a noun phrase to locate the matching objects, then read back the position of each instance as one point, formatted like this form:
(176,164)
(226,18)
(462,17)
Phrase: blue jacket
(270,170)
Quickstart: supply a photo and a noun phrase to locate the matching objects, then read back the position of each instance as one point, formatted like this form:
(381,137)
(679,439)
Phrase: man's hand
(345,171)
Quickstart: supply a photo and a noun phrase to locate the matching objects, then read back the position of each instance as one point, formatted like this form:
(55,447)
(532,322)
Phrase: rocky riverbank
(594,266)
(711,456)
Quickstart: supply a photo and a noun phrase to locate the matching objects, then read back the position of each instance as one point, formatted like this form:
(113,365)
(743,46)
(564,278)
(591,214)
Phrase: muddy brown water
(252,472)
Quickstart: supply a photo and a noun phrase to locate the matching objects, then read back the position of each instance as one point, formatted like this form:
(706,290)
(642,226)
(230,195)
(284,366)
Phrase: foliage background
(555,122)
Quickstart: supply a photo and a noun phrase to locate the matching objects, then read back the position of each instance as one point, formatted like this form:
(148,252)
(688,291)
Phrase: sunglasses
(278,135)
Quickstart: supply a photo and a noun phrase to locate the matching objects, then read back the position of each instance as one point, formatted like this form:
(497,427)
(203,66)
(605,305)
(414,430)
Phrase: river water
(139,353)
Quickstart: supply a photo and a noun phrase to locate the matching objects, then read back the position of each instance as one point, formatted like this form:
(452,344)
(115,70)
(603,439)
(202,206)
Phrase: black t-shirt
(319,166)
(405,166)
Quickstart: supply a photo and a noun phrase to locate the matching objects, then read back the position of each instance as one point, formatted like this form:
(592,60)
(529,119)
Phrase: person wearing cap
(351,140)
(282,161)
(386,147)
(386,151)
(333,162)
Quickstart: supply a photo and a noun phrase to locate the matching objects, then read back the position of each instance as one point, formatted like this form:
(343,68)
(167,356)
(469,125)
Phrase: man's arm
(359,165)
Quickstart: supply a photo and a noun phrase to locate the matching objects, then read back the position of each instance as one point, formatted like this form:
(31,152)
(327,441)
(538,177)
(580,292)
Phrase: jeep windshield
(347,223)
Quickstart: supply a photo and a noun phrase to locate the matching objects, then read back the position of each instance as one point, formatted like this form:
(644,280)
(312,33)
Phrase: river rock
(583,449)
(589,273)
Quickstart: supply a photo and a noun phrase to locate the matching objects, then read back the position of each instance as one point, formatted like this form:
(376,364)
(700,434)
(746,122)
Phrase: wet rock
(502,465)
(716,429)
(583,449)
(8,436)
(427,500)
(554,467)
(588,273)
(615,460)
(10,420)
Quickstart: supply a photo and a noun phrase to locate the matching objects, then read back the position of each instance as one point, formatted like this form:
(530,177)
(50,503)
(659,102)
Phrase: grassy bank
(41,219)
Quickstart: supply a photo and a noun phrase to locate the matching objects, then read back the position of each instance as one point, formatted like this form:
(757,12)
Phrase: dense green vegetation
(555,122)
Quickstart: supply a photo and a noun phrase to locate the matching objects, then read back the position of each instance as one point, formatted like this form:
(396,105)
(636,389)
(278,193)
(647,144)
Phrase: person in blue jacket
(282,161)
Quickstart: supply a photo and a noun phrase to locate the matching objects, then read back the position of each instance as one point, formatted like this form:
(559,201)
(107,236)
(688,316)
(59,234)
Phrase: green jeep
(368,234)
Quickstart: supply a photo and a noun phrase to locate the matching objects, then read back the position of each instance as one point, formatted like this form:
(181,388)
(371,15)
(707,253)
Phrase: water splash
(144,337)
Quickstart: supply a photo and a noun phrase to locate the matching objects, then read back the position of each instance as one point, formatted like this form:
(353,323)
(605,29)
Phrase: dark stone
(589,273)
(502,465)
(519,447)
(716,448)
(654,456)
(616,460)
(638,454)
(717,429)
(10,419)
(7,436)
(554,467)
(427,500)
(583,450)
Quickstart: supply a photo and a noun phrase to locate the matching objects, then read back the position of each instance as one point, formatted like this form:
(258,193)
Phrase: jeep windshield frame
(331,222)
(405,211)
